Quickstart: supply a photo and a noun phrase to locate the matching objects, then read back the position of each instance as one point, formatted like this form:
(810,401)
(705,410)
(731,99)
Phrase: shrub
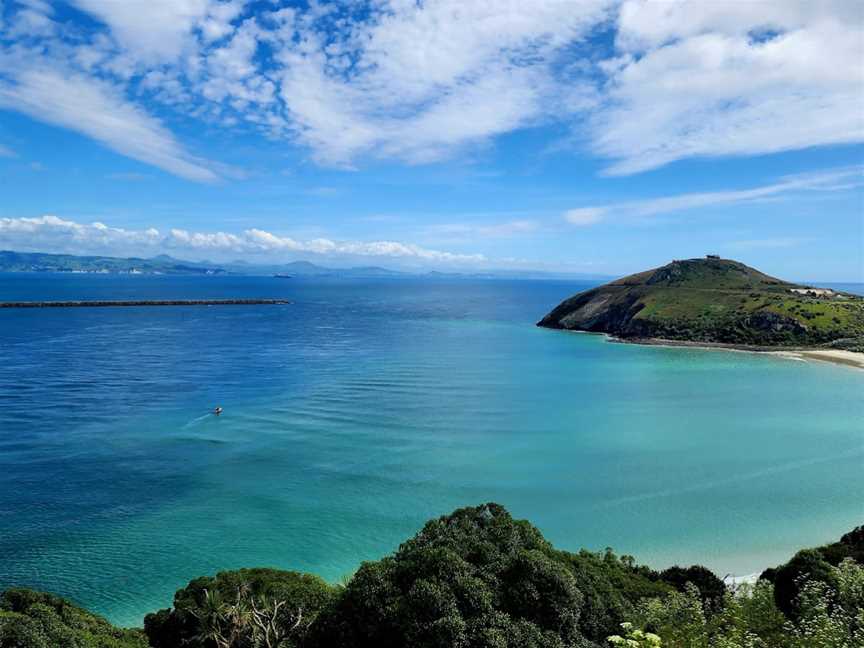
(232,604)
(31,619)
(827,616)
(813,564)
(711,589)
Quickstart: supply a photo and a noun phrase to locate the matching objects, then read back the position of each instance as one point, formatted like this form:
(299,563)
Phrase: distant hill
(164,264)
(307,269)
(40,262)
(716,301)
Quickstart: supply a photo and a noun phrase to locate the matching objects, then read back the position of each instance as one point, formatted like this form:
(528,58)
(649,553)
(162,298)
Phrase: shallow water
(366,407)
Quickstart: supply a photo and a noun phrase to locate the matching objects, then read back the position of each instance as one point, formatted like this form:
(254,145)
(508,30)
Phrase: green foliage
(806,566)
(473,578)
(679,618)
(31,619)
(612,587)
(751,608)
(227,611)
(480,579)
(635,638)
(827,616)
(711,589)
(813,565)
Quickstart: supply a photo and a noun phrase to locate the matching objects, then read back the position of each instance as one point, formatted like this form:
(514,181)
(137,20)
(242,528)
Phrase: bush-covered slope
(816,600)
(480,579)
(31,619)
(813,564)
(211,605)
(476,577)
(714,301)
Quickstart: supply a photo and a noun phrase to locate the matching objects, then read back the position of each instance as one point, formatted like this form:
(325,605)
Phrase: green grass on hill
(715,301)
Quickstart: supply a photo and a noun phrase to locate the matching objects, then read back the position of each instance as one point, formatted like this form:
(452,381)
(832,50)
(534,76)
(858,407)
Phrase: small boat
(217,411)
(282,276)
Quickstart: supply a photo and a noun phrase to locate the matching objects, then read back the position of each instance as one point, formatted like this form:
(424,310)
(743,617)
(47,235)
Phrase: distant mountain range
(307,269)
(163,264)
(39,262)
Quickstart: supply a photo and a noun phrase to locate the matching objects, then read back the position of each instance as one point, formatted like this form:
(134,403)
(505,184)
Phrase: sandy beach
(848,358)
(837,356)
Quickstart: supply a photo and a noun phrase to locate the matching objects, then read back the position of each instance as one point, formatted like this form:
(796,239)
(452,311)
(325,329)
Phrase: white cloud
(506,229)
(33,18)
(585,215)
(96,109)
(152,29)
(418,82)
(699,79)
(7,152)
(831,180)
(51,233)
(643,24)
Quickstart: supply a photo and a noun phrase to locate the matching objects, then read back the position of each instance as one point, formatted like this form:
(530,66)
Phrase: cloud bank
(51,233)
(641,84)
(94,108)
(831,180)
(707,79)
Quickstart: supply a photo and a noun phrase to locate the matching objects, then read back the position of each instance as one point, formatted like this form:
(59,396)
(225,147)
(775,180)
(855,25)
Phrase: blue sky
(593,137)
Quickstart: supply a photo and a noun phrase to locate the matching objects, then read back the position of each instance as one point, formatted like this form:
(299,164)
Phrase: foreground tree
(247,608)
(473,578)
(711,589)
(480,578)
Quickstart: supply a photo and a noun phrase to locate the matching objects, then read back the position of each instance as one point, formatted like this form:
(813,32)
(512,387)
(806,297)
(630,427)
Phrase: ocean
(366,407)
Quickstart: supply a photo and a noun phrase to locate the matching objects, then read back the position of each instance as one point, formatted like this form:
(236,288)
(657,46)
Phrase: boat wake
(196,421)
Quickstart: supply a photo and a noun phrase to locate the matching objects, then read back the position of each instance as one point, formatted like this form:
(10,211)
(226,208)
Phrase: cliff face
(714,301)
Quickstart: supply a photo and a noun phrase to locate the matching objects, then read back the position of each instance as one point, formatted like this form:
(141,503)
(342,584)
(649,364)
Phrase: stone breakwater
(143,302)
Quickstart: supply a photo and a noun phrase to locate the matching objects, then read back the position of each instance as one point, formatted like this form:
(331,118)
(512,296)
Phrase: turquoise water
(366,407)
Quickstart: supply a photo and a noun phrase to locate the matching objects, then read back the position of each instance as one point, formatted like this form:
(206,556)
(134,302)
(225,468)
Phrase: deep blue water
(366,407)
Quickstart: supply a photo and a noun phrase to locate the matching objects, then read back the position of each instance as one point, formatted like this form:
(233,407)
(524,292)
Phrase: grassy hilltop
(716,301)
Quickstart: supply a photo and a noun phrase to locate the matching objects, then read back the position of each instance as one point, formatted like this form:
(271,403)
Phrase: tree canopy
(477,578)
(31,619)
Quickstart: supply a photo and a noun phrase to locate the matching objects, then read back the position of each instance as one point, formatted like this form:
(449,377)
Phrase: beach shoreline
(834,356)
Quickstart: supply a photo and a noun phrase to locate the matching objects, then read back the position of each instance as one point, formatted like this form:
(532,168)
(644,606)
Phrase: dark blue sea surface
(363,408)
